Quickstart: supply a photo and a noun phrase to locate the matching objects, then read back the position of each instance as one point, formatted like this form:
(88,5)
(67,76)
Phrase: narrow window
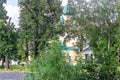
(86,56)
(69,58)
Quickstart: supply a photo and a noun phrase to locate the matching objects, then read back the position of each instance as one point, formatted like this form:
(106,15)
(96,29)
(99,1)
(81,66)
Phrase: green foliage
(117,37)
(8,35)
(38,21)
(51,65)
(102,41)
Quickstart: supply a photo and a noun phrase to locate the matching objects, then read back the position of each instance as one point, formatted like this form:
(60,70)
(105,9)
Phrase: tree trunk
(36,49)
(27,51)
(3,61)
(6,62)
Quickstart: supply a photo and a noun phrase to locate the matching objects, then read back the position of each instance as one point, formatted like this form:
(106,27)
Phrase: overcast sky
(13,11)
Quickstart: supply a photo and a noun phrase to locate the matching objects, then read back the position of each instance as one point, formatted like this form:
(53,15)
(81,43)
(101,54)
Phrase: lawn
(14,68)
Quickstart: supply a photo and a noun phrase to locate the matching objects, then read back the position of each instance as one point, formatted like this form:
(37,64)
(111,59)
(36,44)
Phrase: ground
(11,75)
(16,72)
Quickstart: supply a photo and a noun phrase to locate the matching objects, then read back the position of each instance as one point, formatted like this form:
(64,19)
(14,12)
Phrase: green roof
(63,47)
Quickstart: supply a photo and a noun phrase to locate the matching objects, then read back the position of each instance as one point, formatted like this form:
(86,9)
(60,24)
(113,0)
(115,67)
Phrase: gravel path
(11,75)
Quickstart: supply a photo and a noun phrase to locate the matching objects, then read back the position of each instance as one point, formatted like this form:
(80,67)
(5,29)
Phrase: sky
(13,11)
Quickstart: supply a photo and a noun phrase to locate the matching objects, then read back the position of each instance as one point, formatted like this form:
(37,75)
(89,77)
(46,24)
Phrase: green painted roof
(63,47)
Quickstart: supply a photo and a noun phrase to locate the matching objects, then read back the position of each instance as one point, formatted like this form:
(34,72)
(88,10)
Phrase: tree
(7,37)
(7,43)
(3,18)
(96,22)
(51,65)
(117,37)
(102,16)
(37,24)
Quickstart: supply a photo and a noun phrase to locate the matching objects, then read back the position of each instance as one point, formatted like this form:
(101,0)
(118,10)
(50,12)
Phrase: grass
(14,68)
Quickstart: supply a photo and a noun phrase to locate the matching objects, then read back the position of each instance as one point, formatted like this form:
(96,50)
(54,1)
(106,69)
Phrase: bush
(51,65)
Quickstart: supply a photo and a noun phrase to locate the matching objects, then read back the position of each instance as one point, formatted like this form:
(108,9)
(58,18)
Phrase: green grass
(14,68)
